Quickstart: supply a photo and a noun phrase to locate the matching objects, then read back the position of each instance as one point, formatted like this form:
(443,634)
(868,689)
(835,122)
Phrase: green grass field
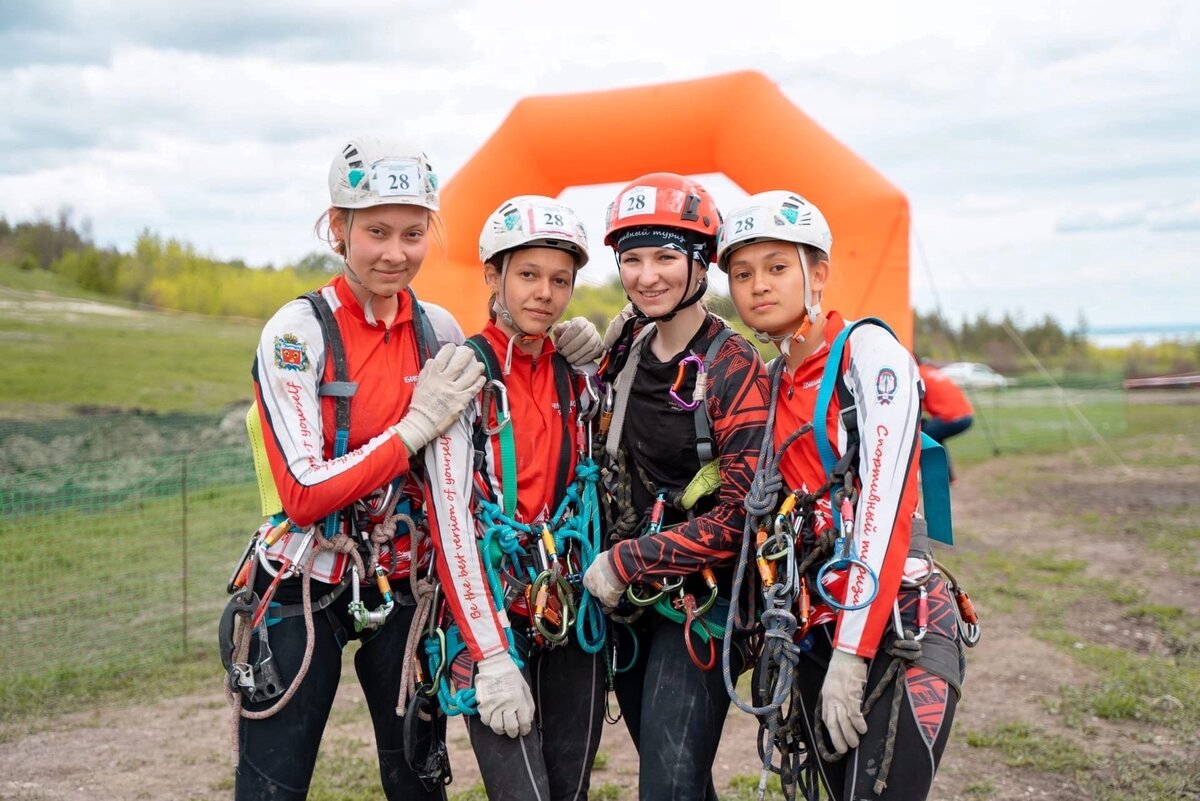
(106,601)
(63,352)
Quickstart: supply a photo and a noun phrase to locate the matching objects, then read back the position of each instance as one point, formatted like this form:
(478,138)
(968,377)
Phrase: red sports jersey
(882,378)
(737,405)
(538,430)
(299,426)
(537,427)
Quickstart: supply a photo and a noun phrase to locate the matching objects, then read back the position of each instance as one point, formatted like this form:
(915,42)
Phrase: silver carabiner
(503,416)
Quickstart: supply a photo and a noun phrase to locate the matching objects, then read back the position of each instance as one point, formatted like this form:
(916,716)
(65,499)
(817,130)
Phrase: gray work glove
(578,341)
(613,332)
(841,700)
(505,703)
(602,581)
(447,383)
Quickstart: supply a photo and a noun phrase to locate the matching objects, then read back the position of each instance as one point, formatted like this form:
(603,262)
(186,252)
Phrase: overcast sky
(1050,151)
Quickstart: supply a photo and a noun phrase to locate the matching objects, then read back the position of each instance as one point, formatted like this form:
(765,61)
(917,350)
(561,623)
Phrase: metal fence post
(184,550)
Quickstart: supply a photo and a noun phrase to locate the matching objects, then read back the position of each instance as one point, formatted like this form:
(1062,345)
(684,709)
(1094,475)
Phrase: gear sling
(773,682)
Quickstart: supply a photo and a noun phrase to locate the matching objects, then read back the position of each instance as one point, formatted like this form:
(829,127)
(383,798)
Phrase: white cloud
(1035,142)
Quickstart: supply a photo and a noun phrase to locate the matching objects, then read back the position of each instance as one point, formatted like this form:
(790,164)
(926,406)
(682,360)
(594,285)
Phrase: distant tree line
(169,274)
(162,273)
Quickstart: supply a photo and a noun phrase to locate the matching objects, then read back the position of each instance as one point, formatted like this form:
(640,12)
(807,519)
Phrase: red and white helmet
(533,221)
(664,199)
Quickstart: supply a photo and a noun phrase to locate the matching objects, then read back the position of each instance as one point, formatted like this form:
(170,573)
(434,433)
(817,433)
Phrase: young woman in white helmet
(352,382)
(528,640)
(845,563)
(688,406)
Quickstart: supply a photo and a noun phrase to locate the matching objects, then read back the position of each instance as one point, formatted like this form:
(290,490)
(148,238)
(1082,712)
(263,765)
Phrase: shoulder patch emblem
(290,353)
(885,386)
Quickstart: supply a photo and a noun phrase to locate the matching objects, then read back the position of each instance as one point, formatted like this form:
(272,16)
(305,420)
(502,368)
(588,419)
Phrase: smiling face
(766,282)
(387,244)
(537,287)
(656,279)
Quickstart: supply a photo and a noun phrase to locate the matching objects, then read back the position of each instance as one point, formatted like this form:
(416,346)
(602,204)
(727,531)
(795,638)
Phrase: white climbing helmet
(533,221)
(374,171)
(779,215)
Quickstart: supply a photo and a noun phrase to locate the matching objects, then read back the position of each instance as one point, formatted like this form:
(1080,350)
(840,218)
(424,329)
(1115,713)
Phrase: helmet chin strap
(350,276)
(691,300)
(812,311)
(500,307)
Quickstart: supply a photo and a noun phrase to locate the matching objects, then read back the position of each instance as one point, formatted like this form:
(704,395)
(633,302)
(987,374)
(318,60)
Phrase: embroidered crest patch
(290,353)
(885,386)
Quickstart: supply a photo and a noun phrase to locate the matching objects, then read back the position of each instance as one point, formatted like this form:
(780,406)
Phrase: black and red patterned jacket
(658,444)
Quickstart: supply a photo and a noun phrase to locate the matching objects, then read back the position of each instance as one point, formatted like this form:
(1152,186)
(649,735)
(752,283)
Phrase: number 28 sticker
(636,201)
(749,222)
(396,178)
(550,219)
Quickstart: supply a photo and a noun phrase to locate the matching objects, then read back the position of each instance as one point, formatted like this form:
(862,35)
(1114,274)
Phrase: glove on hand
(578,341)
(505,703)
(602,582)
(446,384)
(841,700)
(613,332)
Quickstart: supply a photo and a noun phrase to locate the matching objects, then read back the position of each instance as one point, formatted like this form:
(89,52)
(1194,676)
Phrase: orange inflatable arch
(739,124)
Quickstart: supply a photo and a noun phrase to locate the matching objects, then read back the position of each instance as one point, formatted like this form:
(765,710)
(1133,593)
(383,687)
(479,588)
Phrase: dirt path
(176,749)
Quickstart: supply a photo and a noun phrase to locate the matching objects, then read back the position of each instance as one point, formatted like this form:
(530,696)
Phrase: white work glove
(578,341)
(614,328)
(446,384)
(602,582)
(505,703)
(841,700)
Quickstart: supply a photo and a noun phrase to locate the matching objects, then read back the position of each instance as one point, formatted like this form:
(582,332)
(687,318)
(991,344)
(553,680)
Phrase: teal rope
(461,702)
(582,528)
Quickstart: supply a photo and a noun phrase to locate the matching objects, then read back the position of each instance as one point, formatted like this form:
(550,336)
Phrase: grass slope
(62,350)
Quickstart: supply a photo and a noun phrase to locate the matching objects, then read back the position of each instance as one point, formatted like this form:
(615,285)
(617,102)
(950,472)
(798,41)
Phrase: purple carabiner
(696,360)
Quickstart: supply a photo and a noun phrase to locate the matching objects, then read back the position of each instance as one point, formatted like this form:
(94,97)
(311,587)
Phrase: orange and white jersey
(299,425)
(882,378)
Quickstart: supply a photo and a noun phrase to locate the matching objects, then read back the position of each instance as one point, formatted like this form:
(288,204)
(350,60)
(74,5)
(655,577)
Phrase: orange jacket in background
(943,398)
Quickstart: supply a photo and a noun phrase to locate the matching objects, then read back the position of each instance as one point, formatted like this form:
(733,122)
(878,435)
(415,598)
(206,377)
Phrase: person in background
(947,409)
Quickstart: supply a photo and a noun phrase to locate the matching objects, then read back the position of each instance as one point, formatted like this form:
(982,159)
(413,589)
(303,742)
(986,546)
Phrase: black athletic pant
(674,710)
(554,761)
(926,714)
(278,754)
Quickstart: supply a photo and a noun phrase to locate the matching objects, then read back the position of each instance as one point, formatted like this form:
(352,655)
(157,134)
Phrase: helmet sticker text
(551,219)
(749,222)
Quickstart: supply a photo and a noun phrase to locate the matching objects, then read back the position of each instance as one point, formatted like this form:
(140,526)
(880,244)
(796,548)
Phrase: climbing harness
(666,595)
(787,551)
(534,571)
(363,529)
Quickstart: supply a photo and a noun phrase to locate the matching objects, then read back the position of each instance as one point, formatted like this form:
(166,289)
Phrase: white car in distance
(973,375)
